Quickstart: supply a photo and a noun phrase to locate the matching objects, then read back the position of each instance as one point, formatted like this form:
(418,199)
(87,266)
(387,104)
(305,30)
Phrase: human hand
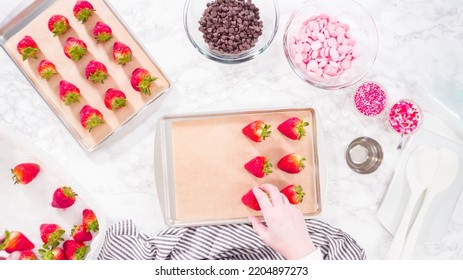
(286,231)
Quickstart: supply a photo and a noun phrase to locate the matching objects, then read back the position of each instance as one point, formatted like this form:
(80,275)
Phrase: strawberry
(292,163)
(259,166)
(55,254)
(63,197)
(69,93)
(58,25)
(27,47)
(257,131)
(102,32)
(2,258)
(115,99)
(90,117)
(122,54)
(250,200)
(293,128)
(24,173)
(96,72)
(22,256)
(15,241)
(75,49)
(47,69)
(90,221)
(79,233)
(141,80)
(74,250)
(294,193)
(83,10)
(51,235)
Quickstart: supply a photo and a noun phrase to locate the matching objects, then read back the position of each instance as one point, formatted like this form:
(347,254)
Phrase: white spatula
(421,167)
(446,172)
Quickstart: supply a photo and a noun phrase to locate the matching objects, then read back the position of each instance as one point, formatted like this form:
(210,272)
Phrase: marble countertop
(415,36)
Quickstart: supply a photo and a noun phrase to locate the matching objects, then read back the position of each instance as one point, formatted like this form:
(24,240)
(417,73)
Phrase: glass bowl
(362,29)
(269,14)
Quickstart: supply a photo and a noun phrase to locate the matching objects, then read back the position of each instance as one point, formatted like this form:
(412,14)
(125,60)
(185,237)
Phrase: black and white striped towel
(123,241)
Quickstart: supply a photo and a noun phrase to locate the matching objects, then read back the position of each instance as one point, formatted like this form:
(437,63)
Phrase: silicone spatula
(447,171)
(420,170)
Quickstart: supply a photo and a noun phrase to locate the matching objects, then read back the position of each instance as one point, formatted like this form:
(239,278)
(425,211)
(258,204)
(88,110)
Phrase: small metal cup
(364,155)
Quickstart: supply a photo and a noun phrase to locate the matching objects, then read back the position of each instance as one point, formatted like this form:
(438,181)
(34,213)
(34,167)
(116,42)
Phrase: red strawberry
(75,49)
(102,32)
(96,72)
(69,93)
(24,173)
(293,128)
(47,69)
(79,233)
(141,80)
(58,25)
(27,47)
(292,163)
(90,221)
(122,54)
(115,99)
(294,193)
(250,200)
(63,197)
(2,258)
(15,241)
(257,131)
(90,117)
(83,10)
(51,235)
(259,166)
(55,254)
(74,250)
(22,256)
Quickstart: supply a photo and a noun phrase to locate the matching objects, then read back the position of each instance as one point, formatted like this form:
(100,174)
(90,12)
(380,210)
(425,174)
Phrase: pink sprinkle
(370,99)
(405,116)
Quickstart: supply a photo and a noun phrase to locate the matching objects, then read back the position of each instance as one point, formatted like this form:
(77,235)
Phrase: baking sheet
(441,210)
(25,207)
(203,178)
(51,48)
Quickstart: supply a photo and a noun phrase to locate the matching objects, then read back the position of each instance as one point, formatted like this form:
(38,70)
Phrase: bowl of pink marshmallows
(331,44)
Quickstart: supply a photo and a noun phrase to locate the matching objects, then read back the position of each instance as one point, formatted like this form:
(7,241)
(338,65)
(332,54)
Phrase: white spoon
(446,173)
(421,167)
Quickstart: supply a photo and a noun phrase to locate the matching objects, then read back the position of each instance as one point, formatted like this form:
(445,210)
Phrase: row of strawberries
(95,71)
(20,247)
(260,166)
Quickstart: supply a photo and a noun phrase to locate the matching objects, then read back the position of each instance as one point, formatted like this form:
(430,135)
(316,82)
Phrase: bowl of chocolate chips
(231,31)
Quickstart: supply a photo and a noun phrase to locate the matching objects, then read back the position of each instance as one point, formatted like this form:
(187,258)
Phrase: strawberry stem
(47,74)
(29,52)
(84,14)
(103,37)
(71,98)
(98,77)
(77,53)
(118,103)
(123,59)
(145,84)
(93,122)
(60,28)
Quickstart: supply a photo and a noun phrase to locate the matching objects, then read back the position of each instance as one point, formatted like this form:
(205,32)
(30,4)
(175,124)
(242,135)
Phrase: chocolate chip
(231,26)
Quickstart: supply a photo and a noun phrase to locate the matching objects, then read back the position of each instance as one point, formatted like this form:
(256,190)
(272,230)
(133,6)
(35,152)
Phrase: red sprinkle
(370,99)
(405,116)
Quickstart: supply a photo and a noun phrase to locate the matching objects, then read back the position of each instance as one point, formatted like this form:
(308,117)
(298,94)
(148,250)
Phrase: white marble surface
(415,36)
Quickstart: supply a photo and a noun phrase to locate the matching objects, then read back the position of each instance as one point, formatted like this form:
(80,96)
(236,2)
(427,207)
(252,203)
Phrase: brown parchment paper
(51,48)
(208,164)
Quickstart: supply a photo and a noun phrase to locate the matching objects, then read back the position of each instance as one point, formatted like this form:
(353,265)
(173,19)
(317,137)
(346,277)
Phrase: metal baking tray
(199,161)
(25,207)
(30,18)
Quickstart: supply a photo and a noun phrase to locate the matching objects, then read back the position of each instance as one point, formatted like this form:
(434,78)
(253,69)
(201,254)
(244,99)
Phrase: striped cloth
(123,241)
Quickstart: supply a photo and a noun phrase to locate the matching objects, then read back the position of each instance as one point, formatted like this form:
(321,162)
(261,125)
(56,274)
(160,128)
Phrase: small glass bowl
(269,14)
(362,29)
(418,126)
(386,106)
